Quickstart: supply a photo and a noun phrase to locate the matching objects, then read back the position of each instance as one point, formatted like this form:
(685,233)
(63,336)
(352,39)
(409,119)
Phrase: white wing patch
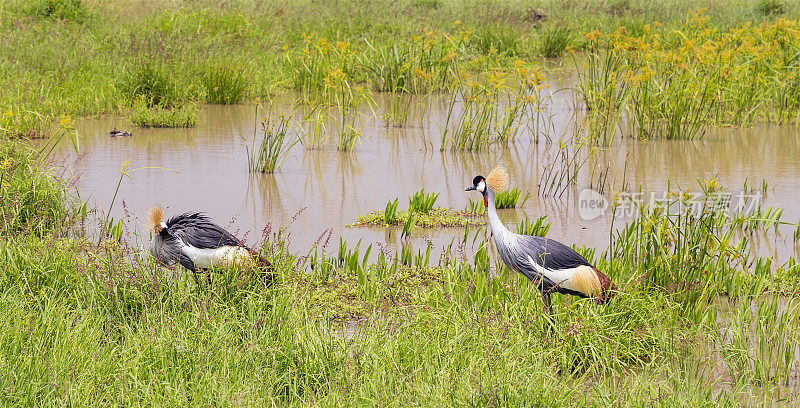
(581,279)
(225,256)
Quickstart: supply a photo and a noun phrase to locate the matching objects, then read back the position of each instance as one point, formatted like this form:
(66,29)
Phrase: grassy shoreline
(69,57)
(698,321)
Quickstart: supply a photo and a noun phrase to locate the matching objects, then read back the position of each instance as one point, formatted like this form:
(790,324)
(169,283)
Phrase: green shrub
(554,41)
(152,84)
(770,7)
(32,199)
(58,9)
(224,84)
(157,116)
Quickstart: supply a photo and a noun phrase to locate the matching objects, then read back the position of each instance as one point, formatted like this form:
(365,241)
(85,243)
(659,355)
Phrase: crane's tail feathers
(155,218)
(498,180)
(607,288)
(585,280)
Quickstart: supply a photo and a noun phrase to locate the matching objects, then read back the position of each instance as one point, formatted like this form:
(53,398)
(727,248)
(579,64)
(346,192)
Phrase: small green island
(421,212)
(436,217)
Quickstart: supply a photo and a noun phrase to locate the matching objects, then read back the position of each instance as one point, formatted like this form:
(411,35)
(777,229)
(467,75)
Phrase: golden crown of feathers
(155,215)
(498,179)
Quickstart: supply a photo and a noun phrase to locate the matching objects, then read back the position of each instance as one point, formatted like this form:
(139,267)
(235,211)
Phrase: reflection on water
(324,188)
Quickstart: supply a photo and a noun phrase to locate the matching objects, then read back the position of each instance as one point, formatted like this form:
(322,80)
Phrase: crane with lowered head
(195,242)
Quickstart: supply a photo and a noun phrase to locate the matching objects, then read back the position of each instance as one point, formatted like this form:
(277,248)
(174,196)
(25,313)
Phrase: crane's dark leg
(548,325)
(546,301)
(188,264)
(545,289)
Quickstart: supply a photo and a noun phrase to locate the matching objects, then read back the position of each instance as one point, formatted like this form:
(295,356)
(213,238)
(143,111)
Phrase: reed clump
(554,41)
(277,139)
(157,116)
(539,228)
(422,202)
(152,84)
(510,199)
(423,63)
(224,84)
(497,39)
(673,84)
(321,61)
(492,108)
(34,200)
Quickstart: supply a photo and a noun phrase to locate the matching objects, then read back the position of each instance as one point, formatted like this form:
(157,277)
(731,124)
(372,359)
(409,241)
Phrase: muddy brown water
(324,188)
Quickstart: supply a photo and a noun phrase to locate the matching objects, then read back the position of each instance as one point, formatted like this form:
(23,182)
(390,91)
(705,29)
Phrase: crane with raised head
(553,266)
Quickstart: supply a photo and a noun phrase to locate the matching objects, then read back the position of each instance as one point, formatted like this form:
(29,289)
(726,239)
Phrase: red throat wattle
(485,201)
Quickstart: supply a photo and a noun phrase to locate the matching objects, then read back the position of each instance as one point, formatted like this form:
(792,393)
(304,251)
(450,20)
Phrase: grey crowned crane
(195,242)
(553,266)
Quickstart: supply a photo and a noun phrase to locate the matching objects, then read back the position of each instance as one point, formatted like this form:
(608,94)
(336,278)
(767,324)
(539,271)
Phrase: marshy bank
(699,320)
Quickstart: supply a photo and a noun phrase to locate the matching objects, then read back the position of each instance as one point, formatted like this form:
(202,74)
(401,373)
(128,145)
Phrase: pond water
(205,169)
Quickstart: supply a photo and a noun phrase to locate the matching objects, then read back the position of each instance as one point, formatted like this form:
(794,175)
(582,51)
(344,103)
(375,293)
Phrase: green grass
(224,84)
(421,212)
(277,137)
(33,199)
(553,41)
(497,39)
(157,116)
(335,329)
(435,217)
(69,57)
(152,84)
(90,323)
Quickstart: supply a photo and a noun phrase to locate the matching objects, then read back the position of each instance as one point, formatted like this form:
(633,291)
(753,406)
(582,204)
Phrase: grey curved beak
(469,188)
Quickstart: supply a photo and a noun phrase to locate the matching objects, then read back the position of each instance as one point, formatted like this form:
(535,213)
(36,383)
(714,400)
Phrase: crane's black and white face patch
(480,183)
